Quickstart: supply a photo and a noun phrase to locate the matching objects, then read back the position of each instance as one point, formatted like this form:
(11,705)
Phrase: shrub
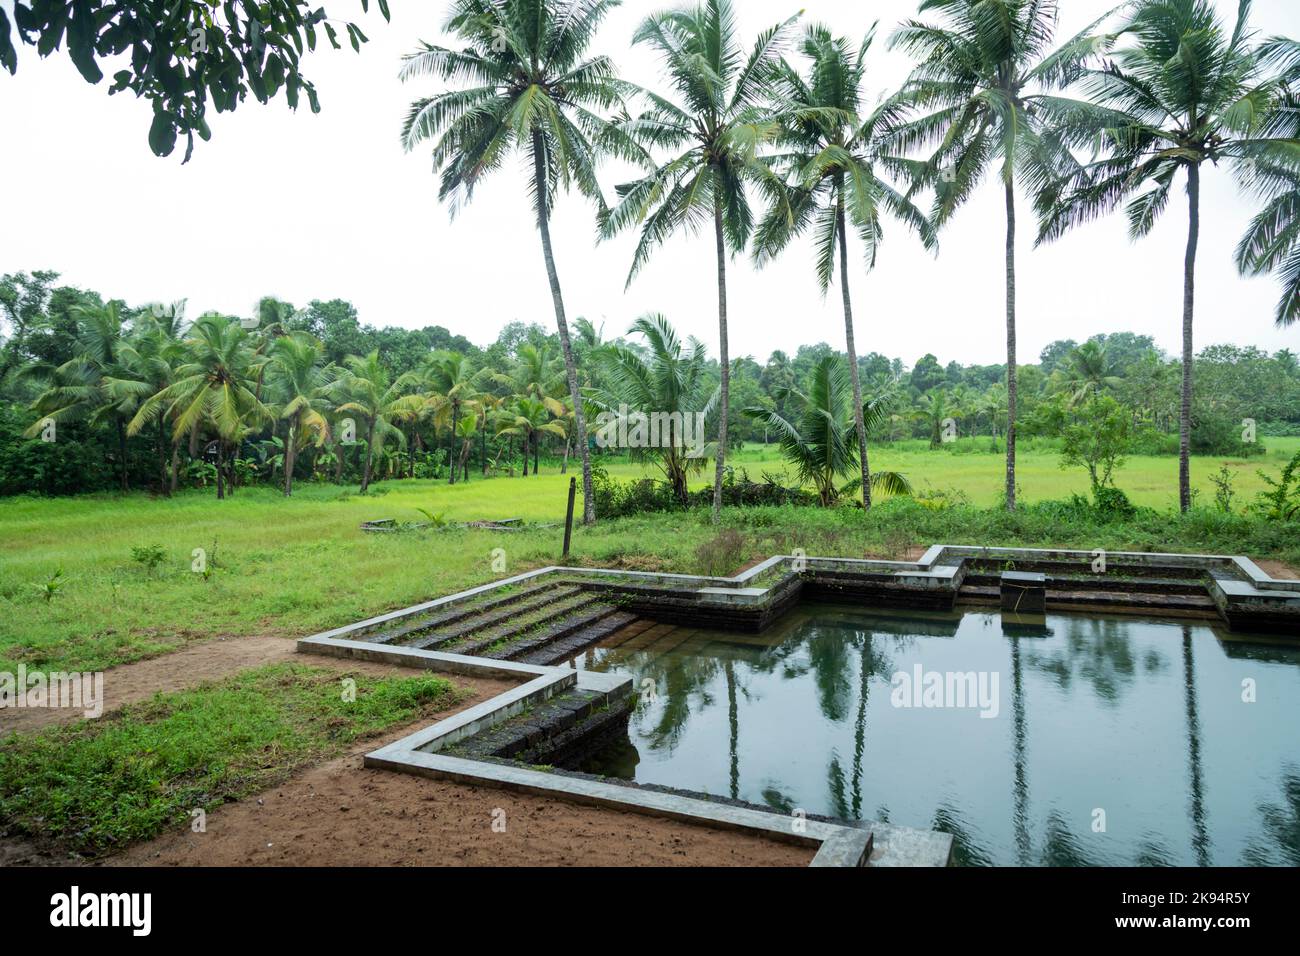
(721,554)
(1282,500)
(149,555)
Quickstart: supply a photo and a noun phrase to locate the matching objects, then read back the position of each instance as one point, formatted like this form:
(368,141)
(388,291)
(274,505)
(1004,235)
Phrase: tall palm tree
(830,151)
(1183,92)
(819,442)
(976,83)
(298,380)
(718,131)
(529,85)
(212,390)
(664,379)
(366,387)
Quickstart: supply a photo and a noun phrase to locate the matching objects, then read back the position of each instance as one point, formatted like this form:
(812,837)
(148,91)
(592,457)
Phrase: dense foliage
(181,55)
(97,392)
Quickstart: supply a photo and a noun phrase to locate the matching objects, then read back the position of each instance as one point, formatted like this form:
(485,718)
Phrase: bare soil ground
(1276,569)
(129,683)
(341,814)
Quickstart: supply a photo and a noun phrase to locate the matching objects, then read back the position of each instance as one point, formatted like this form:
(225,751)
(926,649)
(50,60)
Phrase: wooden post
(568,520)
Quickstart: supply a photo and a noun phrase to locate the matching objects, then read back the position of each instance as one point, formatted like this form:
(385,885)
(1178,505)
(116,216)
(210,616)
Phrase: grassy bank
(96,786)
(299,566)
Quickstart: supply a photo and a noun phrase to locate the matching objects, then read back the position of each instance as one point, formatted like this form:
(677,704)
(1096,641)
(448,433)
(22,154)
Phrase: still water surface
(1104,740)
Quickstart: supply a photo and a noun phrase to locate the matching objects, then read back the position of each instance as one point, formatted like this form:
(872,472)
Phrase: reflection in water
(1024,843)
(1100,718)
(1201,836)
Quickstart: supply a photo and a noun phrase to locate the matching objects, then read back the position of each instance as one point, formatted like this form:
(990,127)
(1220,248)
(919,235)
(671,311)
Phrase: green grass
(968,466)
(298,566)
(96,786)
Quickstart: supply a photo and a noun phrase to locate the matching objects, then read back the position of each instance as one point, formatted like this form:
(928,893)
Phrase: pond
(1078,741)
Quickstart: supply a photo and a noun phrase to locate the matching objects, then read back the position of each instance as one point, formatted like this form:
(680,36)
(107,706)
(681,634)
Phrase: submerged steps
(1059,598)
(538,599)
(553,621)
(553,651)
(455,614)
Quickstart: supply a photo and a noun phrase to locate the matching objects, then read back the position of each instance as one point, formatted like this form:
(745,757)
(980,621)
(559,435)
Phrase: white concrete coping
(418,753)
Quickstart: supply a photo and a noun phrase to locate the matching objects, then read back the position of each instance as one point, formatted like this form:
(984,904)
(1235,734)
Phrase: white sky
(306,206)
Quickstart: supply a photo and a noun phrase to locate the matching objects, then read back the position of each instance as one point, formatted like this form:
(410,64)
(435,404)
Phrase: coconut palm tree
(665,379)
(147,361)
(715,136)
(1272,242)
(819,443)
(212,390)
(936,411)
(366,387)
(829,151)
(1087,371)
(1182,93)
(452,386)
(978,84)
(530,418)
(528,84)
(80,387)
(298,380)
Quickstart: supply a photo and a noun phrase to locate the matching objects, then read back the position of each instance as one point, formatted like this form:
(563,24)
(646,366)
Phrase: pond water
(1087,741)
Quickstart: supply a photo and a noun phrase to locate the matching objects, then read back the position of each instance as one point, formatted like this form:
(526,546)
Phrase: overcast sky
(305,206)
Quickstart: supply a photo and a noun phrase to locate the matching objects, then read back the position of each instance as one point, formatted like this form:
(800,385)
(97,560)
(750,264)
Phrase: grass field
(297,566)
(98,785)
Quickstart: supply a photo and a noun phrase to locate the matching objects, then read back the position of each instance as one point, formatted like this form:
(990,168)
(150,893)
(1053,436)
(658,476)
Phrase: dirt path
(1276,569)
(129,683)
(338,813)
(341,814)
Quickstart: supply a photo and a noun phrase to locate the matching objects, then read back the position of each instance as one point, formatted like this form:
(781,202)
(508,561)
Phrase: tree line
(769,142)
(96,394)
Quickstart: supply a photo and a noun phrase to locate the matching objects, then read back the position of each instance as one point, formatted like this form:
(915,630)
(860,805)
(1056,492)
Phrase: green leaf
(162,134)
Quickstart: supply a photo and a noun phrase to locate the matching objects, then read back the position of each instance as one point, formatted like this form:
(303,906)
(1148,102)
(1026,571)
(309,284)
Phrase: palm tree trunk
(1189,301)
(854,377)
(1011,345)
(121,450)
(723,356)
(221,469)
(162,453)
(370,457)
(451,444)
(176,464)
(290,459)
(566,346)
(537,453)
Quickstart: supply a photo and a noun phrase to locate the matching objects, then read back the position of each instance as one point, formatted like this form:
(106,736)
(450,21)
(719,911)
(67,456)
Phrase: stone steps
(1126,599)
(556,649)
(453,615)
(537,599)
(478,642)
(557,628)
